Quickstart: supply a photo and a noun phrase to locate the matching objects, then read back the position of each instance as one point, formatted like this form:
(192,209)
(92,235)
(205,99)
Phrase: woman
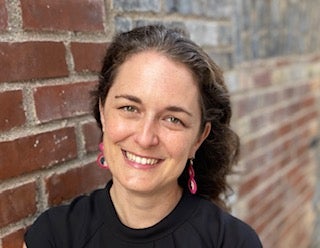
(165,112)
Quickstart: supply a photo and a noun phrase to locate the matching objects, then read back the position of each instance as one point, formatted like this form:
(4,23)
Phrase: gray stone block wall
(137,5)
(216,9)
(208,22)
(264,29)
(235,31)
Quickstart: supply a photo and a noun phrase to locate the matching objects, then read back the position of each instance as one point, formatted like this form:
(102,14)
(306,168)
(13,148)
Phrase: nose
(147,133)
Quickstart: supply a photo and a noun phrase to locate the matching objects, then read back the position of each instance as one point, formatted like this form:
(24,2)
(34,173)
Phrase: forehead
(153,74)
(153,65)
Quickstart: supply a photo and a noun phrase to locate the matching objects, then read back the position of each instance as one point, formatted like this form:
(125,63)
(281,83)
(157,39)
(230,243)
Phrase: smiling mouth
(140,160)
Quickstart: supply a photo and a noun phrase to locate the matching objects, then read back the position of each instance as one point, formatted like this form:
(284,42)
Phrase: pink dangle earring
(100,159)
(192,184)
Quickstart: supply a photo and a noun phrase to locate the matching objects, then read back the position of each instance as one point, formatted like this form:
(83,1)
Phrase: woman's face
(151,123)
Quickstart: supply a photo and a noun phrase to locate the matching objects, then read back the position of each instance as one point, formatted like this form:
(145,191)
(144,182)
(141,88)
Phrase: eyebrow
(130,98)
(178,109)
(169,108)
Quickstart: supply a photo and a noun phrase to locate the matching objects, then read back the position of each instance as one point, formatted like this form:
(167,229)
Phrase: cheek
(115,130)
(114,133)
(180,146)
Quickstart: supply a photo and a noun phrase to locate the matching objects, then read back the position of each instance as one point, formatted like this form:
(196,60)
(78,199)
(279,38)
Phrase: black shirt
(91,221)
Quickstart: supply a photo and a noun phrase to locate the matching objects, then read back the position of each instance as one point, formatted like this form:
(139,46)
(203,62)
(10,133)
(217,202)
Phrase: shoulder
(59,225)
(222,228)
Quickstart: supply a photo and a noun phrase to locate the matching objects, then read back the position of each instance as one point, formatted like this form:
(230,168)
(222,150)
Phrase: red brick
(315,57)
(245,106)
(253,181)
(301,150)
(258,122)
(62,101)
(271,212)
(269,239)
(62,187)
(277,150)
(285,129)
(249,185)
(293,108)
(289,93)
(88,56)
(3,15)
(308,102)
(293,227)
(294,180)
(303,89)
(269,204)
(269,99)
(279,114)
(308,193)
(306,118)
(256,162)
(92,136)
(248,147)
(11,111)
(37,151)
(267,208)
(262,79)
(283,62)
(14,240)
(266,192)
(32,60)
(287,158)
(84,15)
(17,203)
(266,139)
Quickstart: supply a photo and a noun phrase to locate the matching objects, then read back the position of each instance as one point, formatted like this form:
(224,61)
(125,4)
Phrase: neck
(137,210)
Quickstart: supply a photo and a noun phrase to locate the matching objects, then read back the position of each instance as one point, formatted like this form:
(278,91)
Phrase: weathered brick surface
(11,111)
(92,136)
(13,240)
(279,127)
(262,78)
(3,15)
(17,203)
(38,151)
(64,186)
(61,101)
(88,56)
(63,15)
(32,60)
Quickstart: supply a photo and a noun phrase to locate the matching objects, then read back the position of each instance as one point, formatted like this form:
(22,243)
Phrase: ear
(101,110)
(200,139)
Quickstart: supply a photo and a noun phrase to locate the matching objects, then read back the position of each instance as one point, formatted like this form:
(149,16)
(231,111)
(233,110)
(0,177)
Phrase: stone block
(137,5)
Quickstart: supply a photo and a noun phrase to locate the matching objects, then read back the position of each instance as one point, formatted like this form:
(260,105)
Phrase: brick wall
(49,58)
(275,82)
(276,115)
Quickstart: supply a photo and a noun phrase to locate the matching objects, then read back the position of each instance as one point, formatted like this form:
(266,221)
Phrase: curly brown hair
(220,151)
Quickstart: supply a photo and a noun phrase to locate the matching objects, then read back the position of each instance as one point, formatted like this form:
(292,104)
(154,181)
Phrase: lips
(140,160)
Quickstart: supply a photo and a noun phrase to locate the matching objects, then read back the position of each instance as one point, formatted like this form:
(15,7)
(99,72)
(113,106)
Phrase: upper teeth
(141,160)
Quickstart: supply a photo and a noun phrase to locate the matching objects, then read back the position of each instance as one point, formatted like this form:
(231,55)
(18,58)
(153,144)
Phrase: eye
(129,109)
(175,120)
